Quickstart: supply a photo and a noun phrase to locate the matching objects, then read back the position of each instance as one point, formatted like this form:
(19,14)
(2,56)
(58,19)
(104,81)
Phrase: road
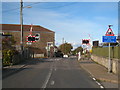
(51,73)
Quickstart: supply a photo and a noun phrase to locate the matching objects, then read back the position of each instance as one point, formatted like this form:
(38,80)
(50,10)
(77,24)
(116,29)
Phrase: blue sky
(72,21)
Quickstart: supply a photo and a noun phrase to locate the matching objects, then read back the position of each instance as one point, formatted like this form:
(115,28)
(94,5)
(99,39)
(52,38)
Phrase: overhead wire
(5,11)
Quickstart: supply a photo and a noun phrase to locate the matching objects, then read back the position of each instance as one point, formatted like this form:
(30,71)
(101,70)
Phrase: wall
(41,44)
(104,61)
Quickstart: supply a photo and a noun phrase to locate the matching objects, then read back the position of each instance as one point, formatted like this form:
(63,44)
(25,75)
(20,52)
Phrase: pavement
(100,73)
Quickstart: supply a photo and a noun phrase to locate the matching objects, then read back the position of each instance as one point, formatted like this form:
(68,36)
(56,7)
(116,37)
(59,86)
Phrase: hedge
(7,56)
(104,51)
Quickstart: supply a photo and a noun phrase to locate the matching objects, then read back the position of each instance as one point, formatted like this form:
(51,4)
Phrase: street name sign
(109,39)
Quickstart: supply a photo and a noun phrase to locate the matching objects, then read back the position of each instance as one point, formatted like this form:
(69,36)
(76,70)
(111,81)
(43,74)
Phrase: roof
(17,27)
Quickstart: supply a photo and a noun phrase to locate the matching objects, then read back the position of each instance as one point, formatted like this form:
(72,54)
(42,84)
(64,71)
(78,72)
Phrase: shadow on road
(10,70)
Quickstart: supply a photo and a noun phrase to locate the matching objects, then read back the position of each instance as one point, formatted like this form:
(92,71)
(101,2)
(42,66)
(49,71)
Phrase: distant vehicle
(58,54)
(65,55)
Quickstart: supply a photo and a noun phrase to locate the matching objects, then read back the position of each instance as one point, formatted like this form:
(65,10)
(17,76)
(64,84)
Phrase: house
(46,36)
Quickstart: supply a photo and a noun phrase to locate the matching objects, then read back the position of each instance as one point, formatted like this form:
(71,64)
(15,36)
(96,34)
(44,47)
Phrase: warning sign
(109,32)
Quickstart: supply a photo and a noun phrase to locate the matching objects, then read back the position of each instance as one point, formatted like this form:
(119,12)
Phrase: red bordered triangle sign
(109,32)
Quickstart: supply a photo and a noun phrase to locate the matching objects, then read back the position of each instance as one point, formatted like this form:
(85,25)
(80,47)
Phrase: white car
(65,55)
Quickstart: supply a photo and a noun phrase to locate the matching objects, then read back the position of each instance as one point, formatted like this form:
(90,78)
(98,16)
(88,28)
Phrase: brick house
(39,47)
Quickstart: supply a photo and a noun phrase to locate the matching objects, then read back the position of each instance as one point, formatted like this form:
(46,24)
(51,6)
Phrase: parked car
(65,55)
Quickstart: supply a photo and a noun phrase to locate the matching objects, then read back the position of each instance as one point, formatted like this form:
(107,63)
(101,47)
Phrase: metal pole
(63,41)
(21,22)
(109,61)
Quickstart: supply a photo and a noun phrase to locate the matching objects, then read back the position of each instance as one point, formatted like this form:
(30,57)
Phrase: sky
(72,21)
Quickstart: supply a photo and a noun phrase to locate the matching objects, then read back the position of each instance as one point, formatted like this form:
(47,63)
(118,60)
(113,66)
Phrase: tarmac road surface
(51,73)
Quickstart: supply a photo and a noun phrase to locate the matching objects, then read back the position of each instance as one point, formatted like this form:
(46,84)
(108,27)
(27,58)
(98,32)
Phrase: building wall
(41,44)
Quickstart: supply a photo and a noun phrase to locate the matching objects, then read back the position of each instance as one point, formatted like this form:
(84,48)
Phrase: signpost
(109,38)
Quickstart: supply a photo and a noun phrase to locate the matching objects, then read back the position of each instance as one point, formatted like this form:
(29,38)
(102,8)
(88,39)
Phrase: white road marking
(98,83)
(47,78)
(52,83)
(94,79)
(101,87)
(55,69)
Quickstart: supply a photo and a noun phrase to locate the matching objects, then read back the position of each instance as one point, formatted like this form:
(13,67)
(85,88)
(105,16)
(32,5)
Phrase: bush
(7,56)
(103,51)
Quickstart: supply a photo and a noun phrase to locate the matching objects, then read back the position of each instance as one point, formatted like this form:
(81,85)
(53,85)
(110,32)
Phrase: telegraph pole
(21,23)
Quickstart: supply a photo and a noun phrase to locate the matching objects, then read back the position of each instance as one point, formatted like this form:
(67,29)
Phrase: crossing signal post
(86,44)
(31,39)
(86,41)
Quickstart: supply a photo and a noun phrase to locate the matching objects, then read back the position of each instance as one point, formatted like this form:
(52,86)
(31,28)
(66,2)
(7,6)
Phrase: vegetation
(112,44)
(103,51)
(8,42)
(8,49)
(66,48)
(79,49)
(7,56)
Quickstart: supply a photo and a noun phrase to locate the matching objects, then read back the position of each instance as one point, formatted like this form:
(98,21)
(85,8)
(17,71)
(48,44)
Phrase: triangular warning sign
(109,32)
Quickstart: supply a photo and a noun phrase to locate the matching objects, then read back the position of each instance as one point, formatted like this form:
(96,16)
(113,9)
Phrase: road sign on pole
(109,39)
(109,61)
(109,31)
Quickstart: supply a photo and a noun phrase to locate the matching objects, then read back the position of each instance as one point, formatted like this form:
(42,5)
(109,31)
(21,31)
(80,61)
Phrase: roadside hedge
(104,51)
(7,56)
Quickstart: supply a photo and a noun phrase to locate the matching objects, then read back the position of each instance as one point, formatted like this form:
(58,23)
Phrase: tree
(78,49)
(66,48)
(8,42)
(8,49)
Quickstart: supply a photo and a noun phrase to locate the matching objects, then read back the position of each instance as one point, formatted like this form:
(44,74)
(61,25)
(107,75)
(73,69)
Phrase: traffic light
(86,41)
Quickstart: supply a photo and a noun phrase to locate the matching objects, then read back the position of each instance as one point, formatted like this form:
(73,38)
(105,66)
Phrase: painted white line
(98,83)
(101,87)
(52,83)
(93,78)
(55,69)
(47,78)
